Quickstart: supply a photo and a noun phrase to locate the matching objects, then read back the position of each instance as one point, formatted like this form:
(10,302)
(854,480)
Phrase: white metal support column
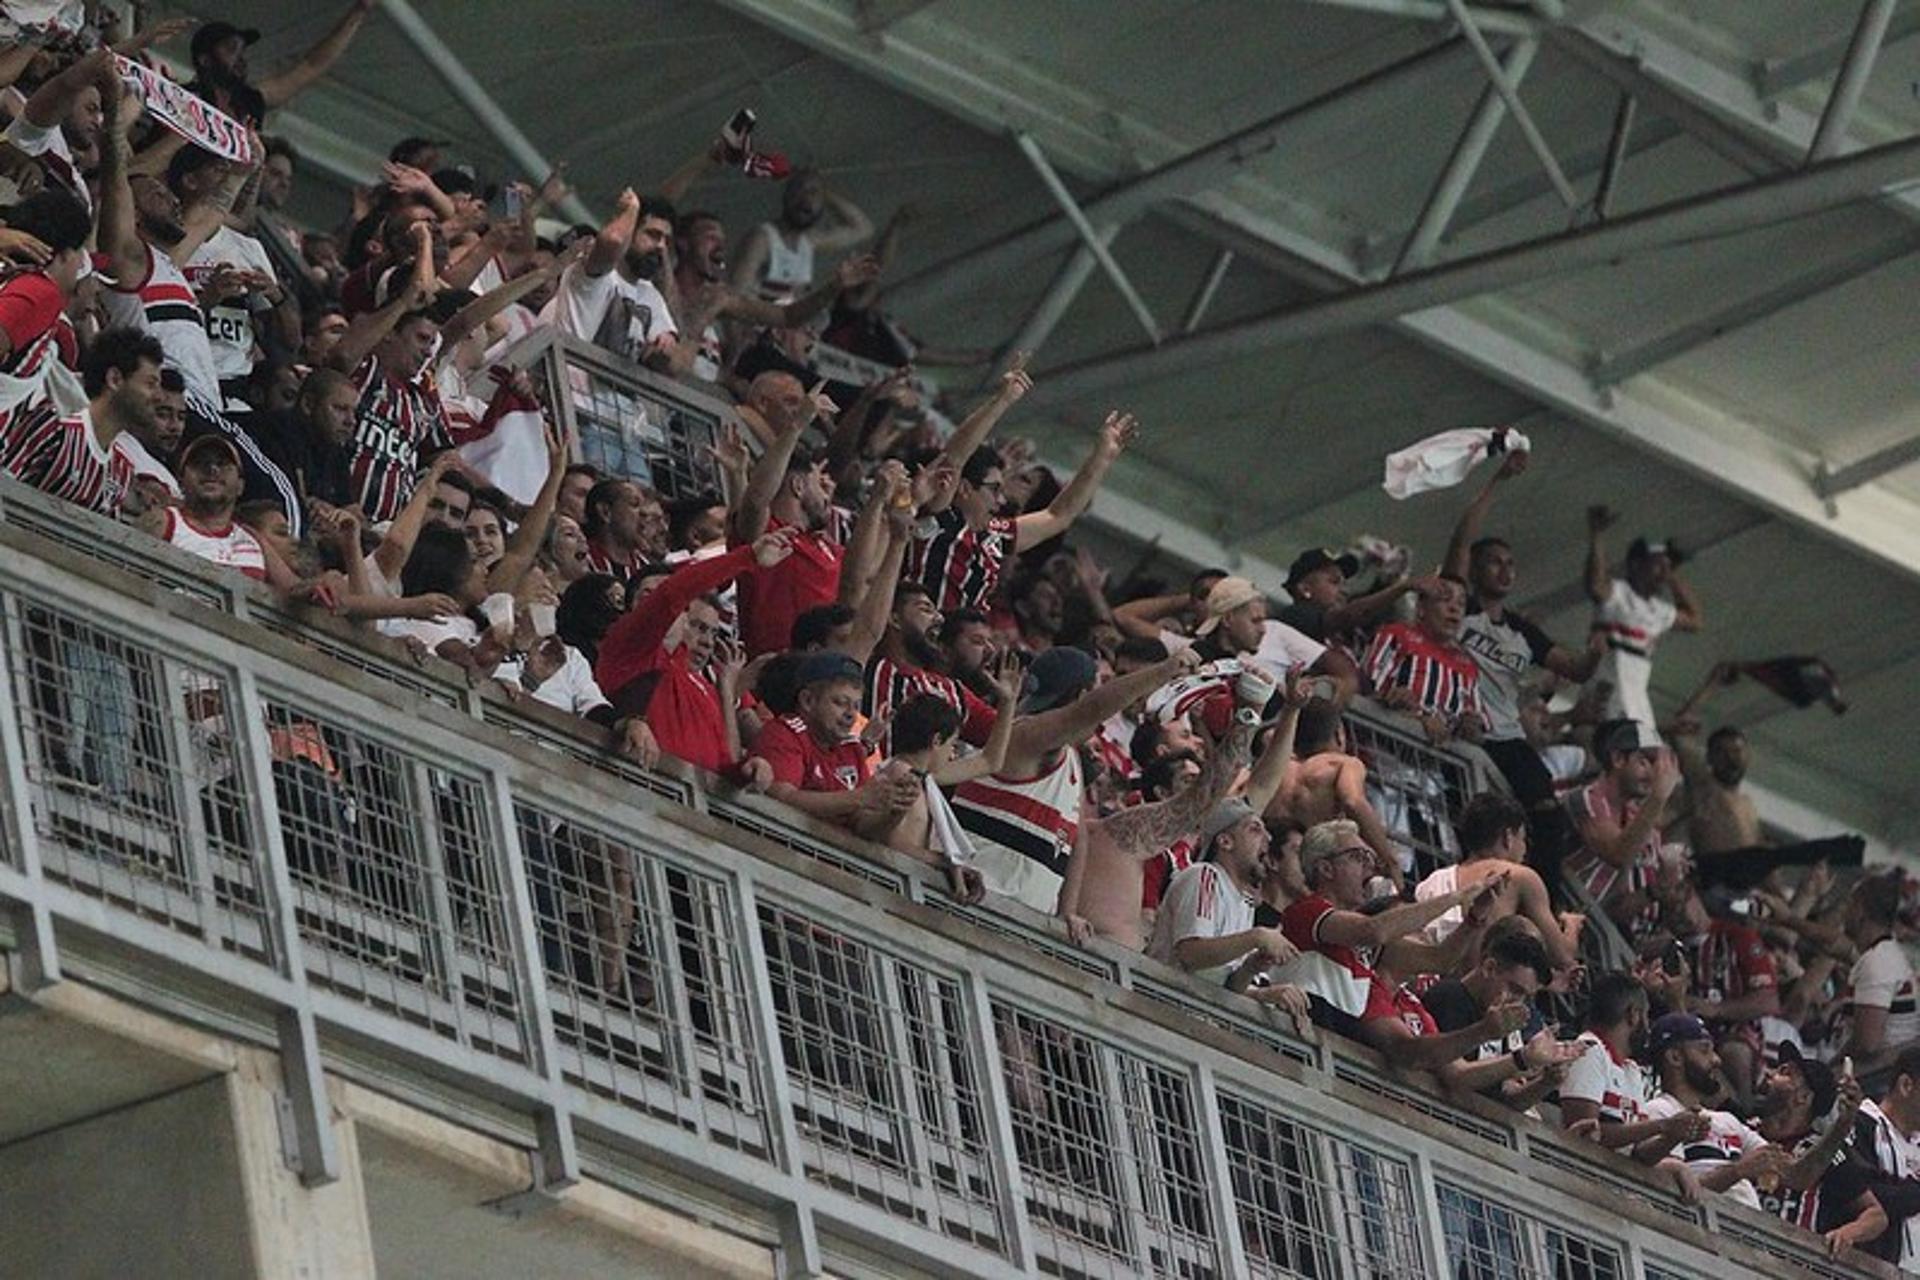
(1619,144)
(300,1066)
(1222,1206)
(33,922)
(1855,70)
(1052,307)
(1209,286)
(1508,89)
(475,98)
(799,1235)
(558,1158)
(1090,238)
(1451,186)
(983,1047)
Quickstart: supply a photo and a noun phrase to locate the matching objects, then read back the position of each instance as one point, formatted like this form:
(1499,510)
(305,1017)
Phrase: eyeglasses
(1360,851)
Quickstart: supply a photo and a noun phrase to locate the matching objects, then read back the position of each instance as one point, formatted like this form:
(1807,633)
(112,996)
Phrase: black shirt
(318,469)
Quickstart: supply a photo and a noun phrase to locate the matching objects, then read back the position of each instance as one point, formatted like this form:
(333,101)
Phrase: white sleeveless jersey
(789,270)
(232,547)
(164,305)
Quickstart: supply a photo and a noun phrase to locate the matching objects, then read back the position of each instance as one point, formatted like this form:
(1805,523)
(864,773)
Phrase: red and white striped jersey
(164,305)
(1038,816)
(1443,677)
(958,565)
(396,420)
(891,683)
(230,546)
(40,338)
(1618,1086)
(63,456)
(1600,799)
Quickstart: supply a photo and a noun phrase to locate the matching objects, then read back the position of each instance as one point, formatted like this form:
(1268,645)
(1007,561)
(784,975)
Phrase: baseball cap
(1643,547)
(1819,1077)
(1671,1029)
(827,666)
(1225,596)
(200,444)
(212,33)
(1222,817)
(1057,677)
(1314,559)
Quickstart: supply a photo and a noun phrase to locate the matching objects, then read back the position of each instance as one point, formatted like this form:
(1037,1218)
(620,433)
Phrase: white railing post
(983,1046)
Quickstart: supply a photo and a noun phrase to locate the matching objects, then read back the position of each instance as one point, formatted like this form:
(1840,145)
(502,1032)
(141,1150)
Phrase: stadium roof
(1734,371)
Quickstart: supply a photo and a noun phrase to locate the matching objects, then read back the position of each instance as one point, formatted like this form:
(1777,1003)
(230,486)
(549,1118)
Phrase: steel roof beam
(1092,241)
(1831,482)
(1851,82)
(1499,21)
(1510,94)
(1719,213)
(1771,79)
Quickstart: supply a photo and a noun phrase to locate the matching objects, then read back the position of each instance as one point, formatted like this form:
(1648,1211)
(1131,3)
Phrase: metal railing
(700,996)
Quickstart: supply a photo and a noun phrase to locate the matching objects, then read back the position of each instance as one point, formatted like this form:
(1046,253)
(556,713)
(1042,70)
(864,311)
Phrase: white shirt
(789,267)
(1898,1154)
(164,305)
(1200,902)
(143,462)
(232,547)
(1282,648)
(571,689)
(1617,1087)
(1882,978)
(1728,1138)
(51,141)
(625,316)
(1631,623)
(230,324)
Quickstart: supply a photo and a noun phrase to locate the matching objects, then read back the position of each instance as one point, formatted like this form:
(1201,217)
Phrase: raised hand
(820,405)
(1016,381)
(1117,432)
(626,202)
(773,546)
(1009,678)
(24,248)
(1514,465)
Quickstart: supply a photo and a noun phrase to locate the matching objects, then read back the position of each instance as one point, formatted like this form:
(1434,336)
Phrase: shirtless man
(925,731)
(1325,783)
(1107,895)
(1493,832)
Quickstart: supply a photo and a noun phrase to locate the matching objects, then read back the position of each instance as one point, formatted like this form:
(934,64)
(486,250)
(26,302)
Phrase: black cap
(1671,1029)
(1818,1076)
(212,33)
(1316,558)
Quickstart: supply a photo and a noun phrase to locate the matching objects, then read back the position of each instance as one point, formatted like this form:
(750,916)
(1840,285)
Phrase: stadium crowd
(883,623)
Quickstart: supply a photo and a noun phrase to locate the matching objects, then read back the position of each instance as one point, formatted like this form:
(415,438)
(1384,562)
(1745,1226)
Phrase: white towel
(1442,461)
(944,831)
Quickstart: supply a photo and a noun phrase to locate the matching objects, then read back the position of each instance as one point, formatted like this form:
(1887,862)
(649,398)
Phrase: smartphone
(740,127)
(510,201)
(1674,962)
(1741,906)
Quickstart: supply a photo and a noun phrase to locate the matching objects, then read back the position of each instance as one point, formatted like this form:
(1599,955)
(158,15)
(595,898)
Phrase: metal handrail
(478,1000)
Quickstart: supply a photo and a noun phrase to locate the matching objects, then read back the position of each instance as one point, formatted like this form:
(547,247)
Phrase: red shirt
(1341,975)
(800,761)
(682,707)
(770,599)
(30,303)
(1729,961)
(891,683)
(1443,677)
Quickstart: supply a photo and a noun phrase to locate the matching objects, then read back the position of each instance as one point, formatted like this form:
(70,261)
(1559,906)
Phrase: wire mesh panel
(1109,1149)
(136,796)
(397,872)
(628,428)
(644,979)
(885,1097)
(1491,1241)
(1312,1205)
(1418,789)
(792,837)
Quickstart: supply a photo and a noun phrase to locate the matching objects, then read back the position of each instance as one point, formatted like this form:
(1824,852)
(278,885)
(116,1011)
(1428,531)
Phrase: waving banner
(187,114)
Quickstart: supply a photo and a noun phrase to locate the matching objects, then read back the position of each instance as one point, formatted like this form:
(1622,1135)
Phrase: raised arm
(1072,724)
(867,543)
(1688,615)
(992,756)
(490,304)
(280,88)
(1616,844)
(204,217)
(614,237)
(978,425)
(853,225)
(117,232)
(369,328)
(1145,830)
(1116,433)
(748,519)
(1467,530)
(876,603)
(394,550)
(1147,617)
(527,537)
(1599,577)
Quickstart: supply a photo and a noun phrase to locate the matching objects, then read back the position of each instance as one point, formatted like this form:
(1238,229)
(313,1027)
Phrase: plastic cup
(498,609)
(543,618)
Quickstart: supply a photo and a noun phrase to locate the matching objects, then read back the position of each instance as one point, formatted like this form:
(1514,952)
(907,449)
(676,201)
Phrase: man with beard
(1504,645)
(608,298)
(1731,1157)
(147,235)
(705,298)
(626,529)
(966,643)
(1233,624)
(73,457)
(906,666)
(1420,668)
(1618,817)
(220,65)
(1831,1197)
(62,123)
(203,524)
(147,446)
(1039,611)
(777,258)
(1886,1142)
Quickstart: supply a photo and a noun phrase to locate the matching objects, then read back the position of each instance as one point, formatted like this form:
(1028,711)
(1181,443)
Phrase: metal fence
(434,890)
